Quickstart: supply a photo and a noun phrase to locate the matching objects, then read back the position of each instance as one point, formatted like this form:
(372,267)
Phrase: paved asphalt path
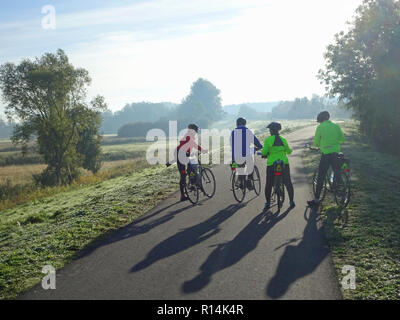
(216,250)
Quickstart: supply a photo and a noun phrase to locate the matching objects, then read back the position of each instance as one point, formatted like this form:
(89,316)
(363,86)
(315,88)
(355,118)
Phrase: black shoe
(184,198)
(267,206)
(168,164)
(249,185)
(292,204)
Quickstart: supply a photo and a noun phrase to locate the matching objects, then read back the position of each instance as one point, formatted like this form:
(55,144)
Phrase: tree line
(363,70)
(202,106)
(135,112)
(304,108)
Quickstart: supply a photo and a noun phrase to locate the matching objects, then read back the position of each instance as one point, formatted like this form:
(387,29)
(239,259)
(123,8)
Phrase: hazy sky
(153,50)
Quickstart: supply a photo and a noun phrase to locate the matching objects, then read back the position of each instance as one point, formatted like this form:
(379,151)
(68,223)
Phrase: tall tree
(47,99)
(363,69)
(203,102)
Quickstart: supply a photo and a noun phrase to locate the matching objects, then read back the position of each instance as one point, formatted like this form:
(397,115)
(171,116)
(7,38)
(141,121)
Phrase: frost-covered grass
(52,230)
(368,234)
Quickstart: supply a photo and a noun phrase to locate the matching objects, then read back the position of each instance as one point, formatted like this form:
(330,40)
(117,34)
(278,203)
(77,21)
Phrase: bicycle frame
(330,179)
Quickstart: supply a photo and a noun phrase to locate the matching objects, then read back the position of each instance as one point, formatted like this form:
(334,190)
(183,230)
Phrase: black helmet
(241,122)
(323,116)
(274,127)
(193,127)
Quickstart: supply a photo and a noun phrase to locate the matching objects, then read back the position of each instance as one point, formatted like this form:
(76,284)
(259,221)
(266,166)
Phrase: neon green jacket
(328,136)
(274,152)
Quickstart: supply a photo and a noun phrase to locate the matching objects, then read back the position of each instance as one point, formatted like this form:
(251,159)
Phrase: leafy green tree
(47,99)
(363,70)
(202,104)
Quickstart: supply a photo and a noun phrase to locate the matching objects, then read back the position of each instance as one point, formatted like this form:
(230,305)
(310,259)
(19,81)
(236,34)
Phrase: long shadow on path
(230,253)
(187,238)
(299,260)
(133,229)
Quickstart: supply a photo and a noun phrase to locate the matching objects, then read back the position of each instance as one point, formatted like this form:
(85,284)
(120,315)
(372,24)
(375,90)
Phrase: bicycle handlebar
(260,154)
(312,148)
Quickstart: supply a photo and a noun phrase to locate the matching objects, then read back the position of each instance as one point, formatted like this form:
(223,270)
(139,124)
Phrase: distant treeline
(300,108)
(135,112)
(202,106)
(262,107)
(249,113)
(140,129)
(304,108)
(205,108)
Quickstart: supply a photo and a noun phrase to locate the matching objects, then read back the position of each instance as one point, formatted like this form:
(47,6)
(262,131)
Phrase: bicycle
(340,187)
(198,179)
(240,182)
(278,194)
(278,186)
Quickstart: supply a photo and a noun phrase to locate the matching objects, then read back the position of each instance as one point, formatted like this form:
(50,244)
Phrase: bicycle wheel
(256,181)
(279,191)
(192,191)
(330,175)
(208,182)
(324,187)
(274,196)
(238,187)
(342,190)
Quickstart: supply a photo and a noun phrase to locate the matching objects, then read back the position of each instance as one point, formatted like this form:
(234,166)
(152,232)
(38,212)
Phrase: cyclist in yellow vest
(277,148)
(328,137)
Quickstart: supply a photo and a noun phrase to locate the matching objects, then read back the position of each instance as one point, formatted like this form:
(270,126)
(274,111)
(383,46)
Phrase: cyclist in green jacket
(328,137)
(277,148)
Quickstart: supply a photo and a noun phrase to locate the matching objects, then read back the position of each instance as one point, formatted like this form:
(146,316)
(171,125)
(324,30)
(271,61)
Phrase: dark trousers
(327,160)
(286,180)
(182,172)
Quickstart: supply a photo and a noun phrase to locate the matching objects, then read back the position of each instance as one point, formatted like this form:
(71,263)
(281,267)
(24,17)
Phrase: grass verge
(52,230)
(368,234)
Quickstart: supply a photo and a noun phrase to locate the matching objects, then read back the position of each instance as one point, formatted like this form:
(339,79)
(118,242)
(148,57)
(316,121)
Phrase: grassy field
(367,235)
(17,175)
(16,170)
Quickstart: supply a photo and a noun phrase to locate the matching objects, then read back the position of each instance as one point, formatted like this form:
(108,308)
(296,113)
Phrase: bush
(140,129)
(19,159)
(49,176)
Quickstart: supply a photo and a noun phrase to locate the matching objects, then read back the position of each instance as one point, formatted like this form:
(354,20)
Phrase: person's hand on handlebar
(308,146)
(260,154)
